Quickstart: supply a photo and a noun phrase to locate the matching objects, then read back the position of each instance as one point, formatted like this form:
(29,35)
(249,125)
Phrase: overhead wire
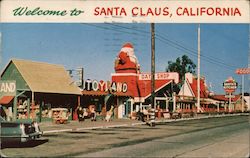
(164,40)
(193,53)
(191,50)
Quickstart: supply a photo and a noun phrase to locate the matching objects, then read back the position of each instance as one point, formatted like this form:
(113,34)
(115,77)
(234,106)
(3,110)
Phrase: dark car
(19,131)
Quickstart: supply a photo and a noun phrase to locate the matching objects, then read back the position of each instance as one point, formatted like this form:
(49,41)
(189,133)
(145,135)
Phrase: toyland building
(40,87)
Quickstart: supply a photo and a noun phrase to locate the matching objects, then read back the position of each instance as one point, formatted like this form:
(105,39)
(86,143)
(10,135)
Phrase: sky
(224,47)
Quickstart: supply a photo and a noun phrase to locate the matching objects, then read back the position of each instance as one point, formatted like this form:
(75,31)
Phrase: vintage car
(18,131)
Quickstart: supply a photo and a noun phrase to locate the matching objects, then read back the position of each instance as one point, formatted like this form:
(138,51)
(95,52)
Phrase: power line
(165,40)
(193,53)
(111,29)
(185,48)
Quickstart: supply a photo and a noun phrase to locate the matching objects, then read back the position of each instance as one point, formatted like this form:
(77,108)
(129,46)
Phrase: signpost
(242,72)
(230,85)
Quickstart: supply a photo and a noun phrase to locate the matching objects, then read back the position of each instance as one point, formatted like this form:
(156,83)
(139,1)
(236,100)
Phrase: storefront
(234,106)
(105,94)
(39,87)
(127,70)
(186,100)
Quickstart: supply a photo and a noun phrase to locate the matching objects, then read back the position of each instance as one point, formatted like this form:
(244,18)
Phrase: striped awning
(6,99)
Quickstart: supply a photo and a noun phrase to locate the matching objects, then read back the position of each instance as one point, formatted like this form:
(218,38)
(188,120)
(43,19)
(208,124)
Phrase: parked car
(19,131)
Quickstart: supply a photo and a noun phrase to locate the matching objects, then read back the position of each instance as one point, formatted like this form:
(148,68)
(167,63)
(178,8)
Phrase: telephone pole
(198,71)
(152,123)
(0,49)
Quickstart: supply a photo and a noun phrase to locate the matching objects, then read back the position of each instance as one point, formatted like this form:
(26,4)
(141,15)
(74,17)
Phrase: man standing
(92,112)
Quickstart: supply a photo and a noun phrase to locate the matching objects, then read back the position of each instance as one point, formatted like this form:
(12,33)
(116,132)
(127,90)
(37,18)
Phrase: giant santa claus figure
(126,61)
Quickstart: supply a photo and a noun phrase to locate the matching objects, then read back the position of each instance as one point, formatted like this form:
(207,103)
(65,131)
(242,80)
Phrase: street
(211,137)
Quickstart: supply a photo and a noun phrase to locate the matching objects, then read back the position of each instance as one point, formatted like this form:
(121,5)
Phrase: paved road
(220,141)
(214,137)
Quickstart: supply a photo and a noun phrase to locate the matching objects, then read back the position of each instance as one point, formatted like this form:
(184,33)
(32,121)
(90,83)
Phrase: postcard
(124,78)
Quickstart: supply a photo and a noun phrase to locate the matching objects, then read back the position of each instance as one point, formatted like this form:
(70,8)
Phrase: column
(14,109)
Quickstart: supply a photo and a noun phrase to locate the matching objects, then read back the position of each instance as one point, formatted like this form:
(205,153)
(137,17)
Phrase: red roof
(137,87)
(222,97)
(203,90)
(145,87)
(6,99)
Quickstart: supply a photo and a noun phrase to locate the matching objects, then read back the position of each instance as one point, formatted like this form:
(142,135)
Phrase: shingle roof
(46,78)
(203,90)
(222,97)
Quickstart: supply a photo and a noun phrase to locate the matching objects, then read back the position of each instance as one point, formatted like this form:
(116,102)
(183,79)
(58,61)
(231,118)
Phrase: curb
(141,123)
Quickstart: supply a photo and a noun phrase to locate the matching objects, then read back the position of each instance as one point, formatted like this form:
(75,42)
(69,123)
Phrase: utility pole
(198,71)
(242,93)
(153,74)
(0,49)
(248,108)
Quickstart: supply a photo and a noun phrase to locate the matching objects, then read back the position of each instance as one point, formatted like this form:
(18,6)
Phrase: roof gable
(186,90)
(12,73)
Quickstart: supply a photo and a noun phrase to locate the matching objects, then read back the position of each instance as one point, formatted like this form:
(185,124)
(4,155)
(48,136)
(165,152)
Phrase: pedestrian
(80,114)
(3,113)
(140,116)
(109,114)
(92,112)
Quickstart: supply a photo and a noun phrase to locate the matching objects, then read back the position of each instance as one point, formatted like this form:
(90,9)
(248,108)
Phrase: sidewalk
(49,127)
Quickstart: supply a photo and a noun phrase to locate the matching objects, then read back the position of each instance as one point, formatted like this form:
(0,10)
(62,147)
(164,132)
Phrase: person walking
(92,112)
(109,114)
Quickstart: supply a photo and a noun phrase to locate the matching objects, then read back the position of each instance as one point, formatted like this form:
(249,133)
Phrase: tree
(181,65)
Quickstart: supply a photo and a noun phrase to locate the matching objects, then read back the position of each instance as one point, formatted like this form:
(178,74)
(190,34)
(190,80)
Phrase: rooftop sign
(242,71)
(103,86)
(161,76)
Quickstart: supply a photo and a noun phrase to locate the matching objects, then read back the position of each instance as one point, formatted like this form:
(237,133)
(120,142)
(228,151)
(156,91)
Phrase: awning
(94,93)
(6,99)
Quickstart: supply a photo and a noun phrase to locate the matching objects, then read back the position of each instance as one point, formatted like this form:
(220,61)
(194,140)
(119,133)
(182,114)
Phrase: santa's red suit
(126,61)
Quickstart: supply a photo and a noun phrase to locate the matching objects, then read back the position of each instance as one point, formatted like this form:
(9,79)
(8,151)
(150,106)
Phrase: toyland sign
(230,85)
(105,86)
(8,88)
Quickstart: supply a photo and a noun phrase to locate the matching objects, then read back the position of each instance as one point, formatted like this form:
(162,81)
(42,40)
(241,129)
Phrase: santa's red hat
(128,45)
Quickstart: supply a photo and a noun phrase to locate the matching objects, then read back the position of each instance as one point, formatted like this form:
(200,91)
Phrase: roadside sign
(242,71)
(230,85)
